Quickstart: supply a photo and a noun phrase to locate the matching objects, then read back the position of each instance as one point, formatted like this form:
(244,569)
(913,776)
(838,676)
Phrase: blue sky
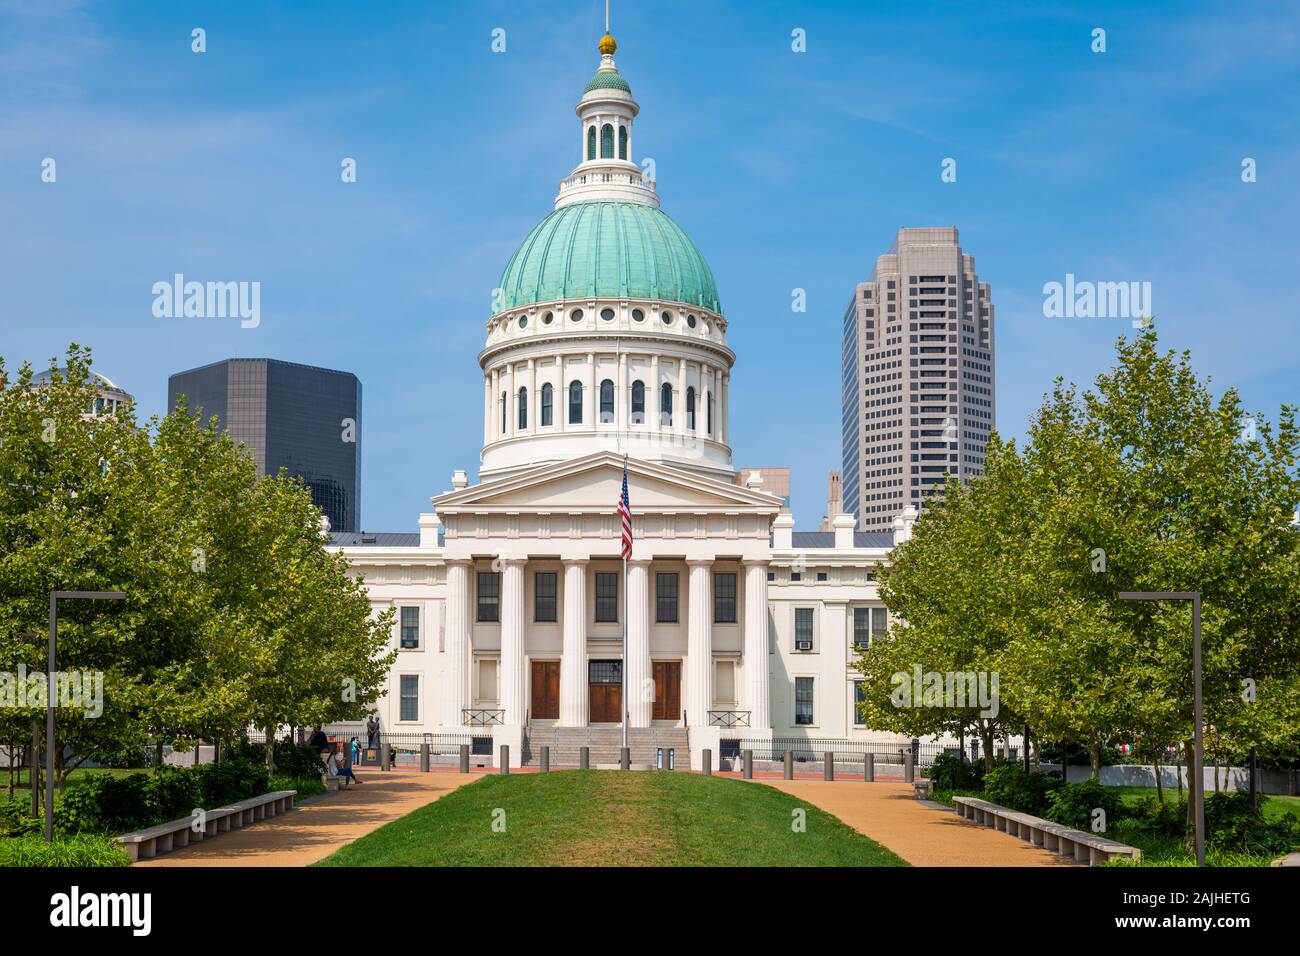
(788,170)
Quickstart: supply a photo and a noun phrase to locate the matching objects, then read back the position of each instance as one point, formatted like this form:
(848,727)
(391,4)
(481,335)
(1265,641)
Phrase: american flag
(625,513)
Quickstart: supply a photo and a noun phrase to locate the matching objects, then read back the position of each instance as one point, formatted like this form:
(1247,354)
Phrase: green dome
(608,80)
(608,249)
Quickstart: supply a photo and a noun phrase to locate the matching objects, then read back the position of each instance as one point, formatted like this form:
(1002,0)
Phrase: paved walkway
(891,815)
(314,831)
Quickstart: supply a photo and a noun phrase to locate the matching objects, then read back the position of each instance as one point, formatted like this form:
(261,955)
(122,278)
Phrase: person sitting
(338,769)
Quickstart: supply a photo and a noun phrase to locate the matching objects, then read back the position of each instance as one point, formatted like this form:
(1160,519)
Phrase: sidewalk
(314,831)
(891,815)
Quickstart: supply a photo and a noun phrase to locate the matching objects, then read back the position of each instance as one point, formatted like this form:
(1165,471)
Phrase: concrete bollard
(828,768)
(584,758)
(909,767)
(424,758)
(546,760)
(503,765)
(869,768)
(385,759)
(624,758)
(747,764)
(707,763)
(789,765)
(464,758)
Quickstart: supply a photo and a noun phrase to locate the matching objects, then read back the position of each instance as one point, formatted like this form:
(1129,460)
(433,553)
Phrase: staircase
(604,742)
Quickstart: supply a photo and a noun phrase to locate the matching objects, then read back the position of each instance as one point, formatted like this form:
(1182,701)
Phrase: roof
(375,539)
(826,539)
(608,80)
(612,250)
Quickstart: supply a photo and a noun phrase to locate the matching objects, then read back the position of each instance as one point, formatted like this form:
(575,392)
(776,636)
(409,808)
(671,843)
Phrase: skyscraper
(917,372)
(298,417)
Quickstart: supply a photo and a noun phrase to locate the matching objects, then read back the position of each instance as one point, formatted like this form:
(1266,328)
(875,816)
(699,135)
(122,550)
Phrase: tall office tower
(298,417)
(917,368)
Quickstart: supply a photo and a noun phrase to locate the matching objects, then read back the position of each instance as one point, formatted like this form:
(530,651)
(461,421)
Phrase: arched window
(607,142)
(709,414)
(591,142)
(638,402)
(622,142)
(606,402)
(505,410)
(575,402)
(523,409)
(690,408)
(665,404)
(548,394)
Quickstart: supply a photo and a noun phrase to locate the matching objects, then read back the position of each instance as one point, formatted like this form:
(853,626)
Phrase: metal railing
(729,718)
(813,749)
(483,717)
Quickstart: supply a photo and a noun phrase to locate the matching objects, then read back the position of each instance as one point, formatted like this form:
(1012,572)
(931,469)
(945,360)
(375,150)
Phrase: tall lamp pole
(55,597)
(1196,781)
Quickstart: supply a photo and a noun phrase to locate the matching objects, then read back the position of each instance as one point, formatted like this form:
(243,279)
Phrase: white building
(608,345)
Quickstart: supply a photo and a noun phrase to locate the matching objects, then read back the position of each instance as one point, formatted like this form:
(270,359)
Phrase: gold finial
(607,46)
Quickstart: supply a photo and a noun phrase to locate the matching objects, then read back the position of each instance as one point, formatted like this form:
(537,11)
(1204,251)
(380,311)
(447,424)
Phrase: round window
(546,319)
(576,315)
(690,320)
(638,315)
(607,315)
(523,321)
(667,318)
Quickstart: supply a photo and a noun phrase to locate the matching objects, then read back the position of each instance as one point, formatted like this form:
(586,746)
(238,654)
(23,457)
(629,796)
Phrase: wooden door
(605,680)
(546,690)
(668,690)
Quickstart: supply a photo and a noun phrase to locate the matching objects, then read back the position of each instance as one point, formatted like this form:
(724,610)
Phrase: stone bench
(923,788)
(147,843)
(1074,844)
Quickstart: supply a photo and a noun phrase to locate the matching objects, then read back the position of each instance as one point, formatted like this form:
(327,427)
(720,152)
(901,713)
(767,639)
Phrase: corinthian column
(757,676)
(640,682)
(455,669)
(573,662)
(699,645)
(512,640)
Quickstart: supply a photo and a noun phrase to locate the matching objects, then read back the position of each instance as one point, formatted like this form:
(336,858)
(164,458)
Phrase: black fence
(814,749)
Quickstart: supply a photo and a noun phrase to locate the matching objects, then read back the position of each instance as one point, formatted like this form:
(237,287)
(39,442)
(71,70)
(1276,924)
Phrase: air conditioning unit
(803,645)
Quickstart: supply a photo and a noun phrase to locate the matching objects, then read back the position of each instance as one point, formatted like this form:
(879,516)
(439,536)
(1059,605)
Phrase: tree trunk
(1094,754)
(270,749)
(986,740)
(1160,790)
(1189,833)
(158,754)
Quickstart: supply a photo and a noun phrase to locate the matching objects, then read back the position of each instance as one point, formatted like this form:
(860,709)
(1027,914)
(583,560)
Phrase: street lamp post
(1196,777)
(50,684)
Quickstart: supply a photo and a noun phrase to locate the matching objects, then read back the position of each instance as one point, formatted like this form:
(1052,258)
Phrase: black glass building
(298,417)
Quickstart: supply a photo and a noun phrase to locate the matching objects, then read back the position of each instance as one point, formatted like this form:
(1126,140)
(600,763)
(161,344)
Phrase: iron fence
(813,749)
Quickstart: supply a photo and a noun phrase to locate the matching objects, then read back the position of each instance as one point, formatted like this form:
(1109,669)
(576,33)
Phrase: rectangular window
(879,623)
(410,697)
(861,626)
(724,598)
(489,596)
(859,695)
(803,628)
(803,701)
(666,597)
(410,628)
(607,597)
(544,590)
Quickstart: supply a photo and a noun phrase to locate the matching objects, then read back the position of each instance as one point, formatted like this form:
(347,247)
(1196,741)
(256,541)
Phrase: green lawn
(608,818)
(21,777)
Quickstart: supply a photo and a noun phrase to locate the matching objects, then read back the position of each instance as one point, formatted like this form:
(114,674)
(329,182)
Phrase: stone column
(623,399)
(758,684)
(487,408)
(679,399)
(512,402)
(592,410)
(652,400)
(534,400)
(574,699)
(699,645)
(512,640)
(724,429)
(640,681)
(455,671)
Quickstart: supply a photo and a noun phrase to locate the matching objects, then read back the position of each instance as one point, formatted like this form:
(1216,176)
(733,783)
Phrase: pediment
(593,485)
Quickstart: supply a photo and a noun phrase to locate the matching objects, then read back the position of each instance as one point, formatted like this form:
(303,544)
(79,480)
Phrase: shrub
(950,772)
(1231,823)
(1073,803)
(1010,785)
(15,815)
(78,851)
(174,793)
(235,778)
(306,786)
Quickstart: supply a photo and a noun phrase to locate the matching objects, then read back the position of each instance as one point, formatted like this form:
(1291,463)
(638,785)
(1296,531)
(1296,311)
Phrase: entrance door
(606,682)
(546,690)
(668,690)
